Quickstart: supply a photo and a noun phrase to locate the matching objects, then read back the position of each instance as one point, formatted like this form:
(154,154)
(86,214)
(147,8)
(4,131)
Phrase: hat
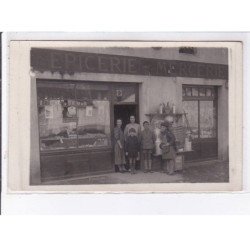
(132,130)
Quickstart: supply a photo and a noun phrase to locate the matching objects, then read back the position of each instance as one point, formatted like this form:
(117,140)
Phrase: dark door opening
(124,111)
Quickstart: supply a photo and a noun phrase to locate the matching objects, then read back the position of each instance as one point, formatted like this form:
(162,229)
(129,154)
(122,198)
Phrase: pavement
(205,172)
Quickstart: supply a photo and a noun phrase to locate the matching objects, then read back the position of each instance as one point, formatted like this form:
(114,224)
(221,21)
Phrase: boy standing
(147,143)
(132,147)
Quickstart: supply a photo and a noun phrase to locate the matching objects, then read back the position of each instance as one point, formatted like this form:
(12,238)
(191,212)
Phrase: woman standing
(119,146)
(168,147)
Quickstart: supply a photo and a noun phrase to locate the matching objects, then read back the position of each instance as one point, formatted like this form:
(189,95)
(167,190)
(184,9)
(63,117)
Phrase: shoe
(124,169)
(151,171)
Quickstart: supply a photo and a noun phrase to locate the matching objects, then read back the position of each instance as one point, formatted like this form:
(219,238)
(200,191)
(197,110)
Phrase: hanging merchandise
(72,111)
(89,111)
(167,108)
(173,109)
(49,112)
(187,122)
(161,106)
(188,139)
(157,132)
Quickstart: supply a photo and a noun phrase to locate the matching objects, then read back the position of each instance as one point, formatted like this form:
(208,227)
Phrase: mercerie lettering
(183,69)
(209,71)
(221,72)
(162,68)
(192,69)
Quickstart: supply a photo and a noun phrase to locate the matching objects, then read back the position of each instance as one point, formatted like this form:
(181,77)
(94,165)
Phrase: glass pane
(195,92)
(87,92)
(57,116)
(208,92)
(183,91)
(190,108)
(124,94)
(188,91)
(93,116)
(202,92)
(207,119)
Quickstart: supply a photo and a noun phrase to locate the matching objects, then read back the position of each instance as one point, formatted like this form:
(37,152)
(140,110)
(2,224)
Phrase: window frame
(200,99)
(77,148)
(205,98)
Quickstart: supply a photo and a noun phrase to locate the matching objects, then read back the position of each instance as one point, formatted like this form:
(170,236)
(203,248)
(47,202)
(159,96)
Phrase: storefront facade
(76,97)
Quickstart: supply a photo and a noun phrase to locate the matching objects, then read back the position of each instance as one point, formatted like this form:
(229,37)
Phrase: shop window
(207,119)
(201,111)
(57,130)
(198,92)
(183,91)
(73,115)
(195,91)
(190,109)
(202,92)
(93,116)
(188,91)
(209,92)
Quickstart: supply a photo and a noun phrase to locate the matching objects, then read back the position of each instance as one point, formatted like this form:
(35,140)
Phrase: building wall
(152,91)
(206,55)
(223,129)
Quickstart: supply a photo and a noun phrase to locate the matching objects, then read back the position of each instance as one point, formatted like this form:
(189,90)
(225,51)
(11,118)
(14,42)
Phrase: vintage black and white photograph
(126,113)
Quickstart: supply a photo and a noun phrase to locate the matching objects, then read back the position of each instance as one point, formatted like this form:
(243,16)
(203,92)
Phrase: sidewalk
(214,171)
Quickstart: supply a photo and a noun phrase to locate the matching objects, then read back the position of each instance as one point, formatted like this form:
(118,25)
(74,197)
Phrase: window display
(73,115)
(190,109)
(207,119)
(201,111)
(93,119)
(53,103)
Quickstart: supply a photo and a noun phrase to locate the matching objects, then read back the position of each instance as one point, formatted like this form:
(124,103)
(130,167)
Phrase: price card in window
(89,111)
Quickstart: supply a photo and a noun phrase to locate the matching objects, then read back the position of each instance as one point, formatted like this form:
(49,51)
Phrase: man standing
(137,129)
(133,125)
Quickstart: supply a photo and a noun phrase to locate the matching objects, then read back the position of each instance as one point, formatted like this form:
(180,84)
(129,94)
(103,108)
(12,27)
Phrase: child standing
(132,147)
(147,143)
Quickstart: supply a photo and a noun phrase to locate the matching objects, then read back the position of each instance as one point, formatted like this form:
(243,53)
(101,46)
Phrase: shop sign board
(69,62)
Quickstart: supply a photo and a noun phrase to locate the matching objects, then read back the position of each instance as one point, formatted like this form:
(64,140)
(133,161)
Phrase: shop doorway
(124,111)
